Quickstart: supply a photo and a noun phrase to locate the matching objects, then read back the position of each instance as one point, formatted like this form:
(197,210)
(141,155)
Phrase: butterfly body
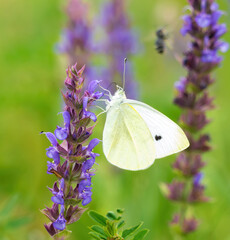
(135,134)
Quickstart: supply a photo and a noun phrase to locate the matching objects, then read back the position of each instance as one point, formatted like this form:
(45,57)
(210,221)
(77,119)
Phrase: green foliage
(8,220)
(110,227)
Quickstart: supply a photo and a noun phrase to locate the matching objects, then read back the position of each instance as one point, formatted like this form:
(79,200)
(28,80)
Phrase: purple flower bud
(61,133)
(181,84)
(197,178)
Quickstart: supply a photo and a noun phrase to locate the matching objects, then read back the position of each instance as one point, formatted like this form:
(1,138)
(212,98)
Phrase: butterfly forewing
(167,135)
(127,140)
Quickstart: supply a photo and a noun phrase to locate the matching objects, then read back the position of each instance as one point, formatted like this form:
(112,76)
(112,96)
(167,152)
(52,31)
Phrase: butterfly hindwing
(127,141)
(167,135)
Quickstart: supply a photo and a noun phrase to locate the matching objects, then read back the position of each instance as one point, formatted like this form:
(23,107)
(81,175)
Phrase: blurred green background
(31,78)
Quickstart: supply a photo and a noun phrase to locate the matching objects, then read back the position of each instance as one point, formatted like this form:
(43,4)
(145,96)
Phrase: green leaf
(141,235)
(111,215)
(121,224)
(131,230)
(99,230)
(120,210)
(111,228)
(98,217)
(94,235)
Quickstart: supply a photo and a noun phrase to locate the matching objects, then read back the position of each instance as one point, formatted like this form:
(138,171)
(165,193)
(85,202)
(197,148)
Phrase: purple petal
(67,118)
(220,30)
(181,84)
(91,115)
(187,25)
(214,6)
(88,164)
(97,95)
(203,20)
(197,178)
(62,183)
(223,47)
(51,166)
(51,138)
(86,201)
(215,16)
(84,103)
(60,223)
(92,86)
(52,153)
(210,56)
(57,199)
(93,143)
(61,133)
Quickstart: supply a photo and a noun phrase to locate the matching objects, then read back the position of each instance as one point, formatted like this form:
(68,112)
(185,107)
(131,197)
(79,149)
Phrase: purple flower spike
(74,171)
(121,42)
(193,97)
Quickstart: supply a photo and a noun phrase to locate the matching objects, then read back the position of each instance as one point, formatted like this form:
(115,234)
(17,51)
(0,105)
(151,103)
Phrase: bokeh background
(31,77)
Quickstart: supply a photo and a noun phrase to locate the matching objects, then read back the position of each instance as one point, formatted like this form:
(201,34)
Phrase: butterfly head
(117,98)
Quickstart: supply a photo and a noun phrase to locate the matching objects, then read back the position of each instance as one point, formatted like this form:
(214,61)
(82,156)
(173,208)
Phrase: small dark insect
(158,138)
(160,41)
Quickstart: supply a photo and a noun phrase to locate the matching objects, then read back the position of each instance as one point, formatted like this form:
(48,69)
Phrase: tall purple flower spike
(76,38)
(121,43)
(193,98)
(72,158)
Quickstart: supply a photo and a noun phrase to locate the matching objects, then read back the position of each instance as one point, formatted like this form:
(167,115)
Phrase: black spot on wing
(158,137)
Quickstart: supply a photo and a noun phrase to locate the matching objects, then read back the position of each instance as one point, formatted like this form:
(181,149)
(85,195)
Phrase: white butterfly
(136,134)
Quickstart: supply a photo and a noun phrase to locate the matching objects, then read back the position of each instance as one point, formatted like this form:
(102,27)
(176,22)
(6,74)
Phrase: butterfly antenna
(125,60)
